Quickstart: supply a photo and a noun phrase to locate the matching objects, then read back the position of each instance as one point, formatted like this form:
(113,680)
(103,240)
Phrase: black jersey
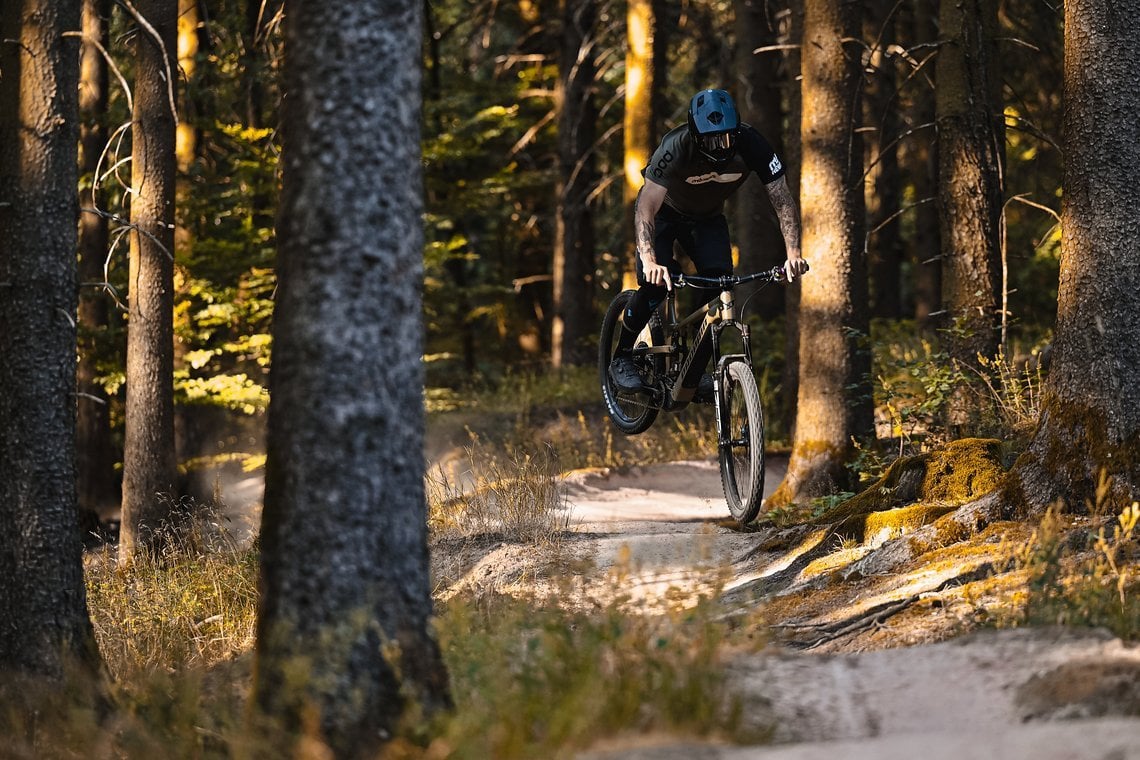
(697,187)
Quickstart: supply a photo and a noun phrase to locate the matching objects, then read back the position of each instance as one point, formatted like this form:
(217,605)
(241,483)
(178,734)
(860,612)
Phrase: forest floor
(871,648)
(871,654)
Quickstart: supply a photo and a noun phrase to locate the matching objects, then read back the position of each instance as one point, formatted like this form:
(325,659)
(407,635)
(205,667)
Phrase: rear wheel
(631,413)
(741,448)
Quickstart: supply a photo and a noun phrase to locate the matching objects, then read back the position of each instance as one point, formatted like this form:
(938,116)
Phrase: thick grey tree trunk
(1090,418)
(834,391)
(148,447)
(43,604)
(343,629)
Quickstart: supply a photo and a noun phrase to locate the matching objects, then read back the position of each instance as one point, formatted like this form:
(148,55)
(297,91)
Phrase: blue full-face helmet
(713,124)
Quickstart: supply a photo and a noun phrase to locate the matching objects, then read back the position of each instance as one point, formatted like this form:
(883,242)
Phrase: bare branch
(530,133)
(899,213)
(93,42)
(891,144)
(1022,198)
(774,48)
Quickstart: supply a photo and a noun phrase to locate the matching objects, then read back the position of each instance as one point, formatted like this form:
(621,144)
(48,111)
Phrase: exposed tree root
(875,616)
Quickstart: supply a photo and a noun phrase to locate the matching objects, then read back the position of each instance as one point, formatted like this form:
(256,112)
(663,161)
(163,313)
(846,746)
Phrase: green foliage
(540,681)
(225,288)
(915,379)
(1082,578)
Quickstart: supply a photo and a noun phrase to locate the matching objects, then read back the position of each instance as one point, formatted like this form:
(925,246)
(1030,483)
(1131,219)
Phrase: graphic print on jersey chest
(726,179)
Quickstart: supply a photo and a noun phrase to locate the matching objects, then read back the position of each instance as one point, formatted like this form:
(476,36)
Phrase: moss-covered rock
(878,527)
(961,471)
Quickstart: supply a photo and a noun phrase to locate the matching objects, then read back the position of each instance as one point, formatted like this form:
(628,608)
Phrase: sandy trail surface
(907,690)
(1036,694)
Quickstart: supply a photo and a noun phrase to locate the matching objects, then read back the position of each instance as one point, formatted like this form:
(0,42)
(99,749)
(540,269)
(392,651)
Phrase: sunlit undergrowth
(193,605)
(914,379)
(529,677)
(516,496)
(535,680)
(1084,575)
(562,415)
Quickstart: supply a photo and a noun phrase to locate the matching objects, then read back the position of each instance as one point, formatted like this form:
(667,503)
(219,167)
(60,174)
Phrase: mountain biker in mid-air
(694,170)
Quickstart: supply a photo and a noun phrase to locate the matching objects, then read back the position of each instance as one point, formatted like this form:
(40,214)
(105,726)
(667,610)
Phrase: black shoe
(624,374)
(705,389)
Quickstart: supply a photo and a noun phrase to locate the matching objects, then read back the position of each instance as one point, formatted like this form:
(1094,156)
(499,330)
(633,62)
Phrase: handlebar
(728,282)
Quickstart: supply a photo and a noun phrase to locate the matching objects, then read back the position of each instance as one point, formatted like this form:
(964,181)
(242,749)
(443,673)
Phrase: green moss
(961,471)
(1074,459)
(890,523)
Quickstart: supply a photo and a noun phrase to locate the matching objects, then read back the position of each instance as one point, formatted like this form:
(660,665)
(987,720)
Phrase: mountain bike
(672,355)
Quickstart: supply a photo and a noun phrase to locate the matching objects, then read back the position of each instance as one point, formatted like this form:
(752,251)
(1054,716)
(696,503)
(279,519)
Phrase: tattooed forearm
(644,237)
(786,212)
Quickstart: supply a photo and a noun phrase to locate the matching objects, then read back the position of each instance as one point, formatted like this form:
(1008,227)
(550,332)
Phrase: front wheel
(630,412)
(741,446)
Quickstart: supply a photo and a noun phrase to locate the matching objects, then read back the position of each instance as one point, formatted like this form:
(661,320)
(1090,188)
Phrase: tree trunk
(640,120)
(45,626)
(922,153)
(970,145)
(884,196)
(343,632)
(834,391)
(148,449)
(1090,419)
(98,488)
(185,153)
(252,66)
(791,31)
(573,331)
(757,90)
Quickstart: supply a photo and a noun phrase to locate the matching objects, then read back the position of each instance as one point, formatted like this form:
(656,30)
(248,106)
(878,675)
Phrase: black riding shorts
(705,241)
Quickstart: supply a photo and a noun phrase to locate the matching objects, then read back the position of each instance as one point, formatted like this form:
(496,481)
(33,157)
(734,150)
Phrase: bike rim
(739,441)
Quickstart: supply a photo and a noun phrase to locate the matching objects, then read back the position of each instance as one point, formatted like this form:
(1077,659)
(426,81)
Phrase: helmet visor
(718,145)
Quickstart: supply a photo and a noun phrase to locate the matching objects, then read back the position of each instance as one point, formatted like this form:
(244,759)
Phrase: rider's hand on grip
(793,268)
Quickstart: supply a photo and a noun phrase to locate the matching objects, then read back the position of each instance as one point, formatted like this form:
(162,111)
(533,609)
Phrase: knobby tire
(741,451)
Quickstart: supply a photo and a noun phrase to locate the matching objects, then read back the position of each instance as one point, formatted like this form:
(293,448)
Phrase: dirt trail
(884,668)
(894,679)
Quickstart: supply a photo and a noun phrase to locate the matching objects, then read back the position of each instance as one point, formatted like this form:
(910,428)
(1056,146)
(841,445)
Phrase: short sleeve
(667,161)
(759,155)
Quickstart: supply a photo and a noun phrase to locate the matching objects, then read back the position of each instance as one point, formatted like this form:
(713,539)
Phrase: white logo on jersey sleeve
(774,165)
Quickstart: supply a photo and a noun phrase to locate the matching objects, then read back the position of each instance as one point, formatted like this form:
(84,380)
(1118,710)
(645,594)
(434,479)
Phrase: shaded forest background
(528,143)
(931,205)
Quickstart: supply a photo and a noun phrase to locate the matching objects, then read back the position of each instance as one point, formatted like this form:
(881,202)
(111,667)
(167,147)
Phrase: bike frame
(710,320)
